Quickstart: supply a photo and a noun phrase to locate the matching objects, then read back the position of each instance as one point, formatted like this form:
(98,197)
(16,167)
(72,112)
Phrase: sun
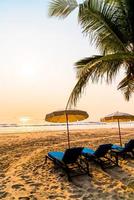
(27,72)
(24,119)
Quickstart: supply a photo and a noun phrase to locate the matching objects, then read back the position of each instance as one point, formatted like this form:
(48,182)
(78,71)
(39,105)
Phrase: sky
(37,73)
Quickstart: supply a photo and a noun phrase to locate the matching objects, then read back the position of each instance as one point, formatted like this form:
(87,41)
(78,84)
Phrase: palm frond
(61,8)
(127,84)
(110,25)
(78,90)
(126,19)
(127,87)
(98,20)
(97,68)
(100,65)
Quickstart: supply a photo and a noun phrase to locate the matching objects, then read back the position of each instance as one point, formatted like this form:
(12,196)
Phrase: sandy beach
(25,176)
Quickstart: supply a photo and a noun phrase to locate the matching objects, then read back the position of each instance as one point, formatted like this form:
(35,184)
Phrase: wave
(17,128)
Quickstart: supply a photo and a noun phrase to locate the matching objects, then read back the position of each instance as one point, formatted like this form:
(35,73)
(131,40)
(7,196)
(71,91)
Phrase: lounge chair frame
(101,156)
(80,163)
(127,150)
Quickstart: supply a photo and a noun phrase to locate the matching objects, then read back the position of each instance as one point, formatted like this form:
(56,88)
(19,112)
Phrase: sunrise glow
(24,119)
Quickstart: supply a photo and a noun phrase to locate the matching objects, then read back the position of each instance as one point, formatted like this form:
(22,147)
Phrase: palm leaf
(61,8)
(126,19)
(127,87)
(99,20)
(110,25)
(96,68)
(127,84)
(100,65)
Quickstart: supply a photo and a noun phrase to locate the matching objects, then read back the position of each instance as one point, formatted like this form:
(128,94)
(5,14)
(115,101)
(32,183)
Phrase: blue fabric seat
(100,155)
(117,147)
(118,151)
(88,151)
(129,147)
(101,151)
(70,156)
(57,155)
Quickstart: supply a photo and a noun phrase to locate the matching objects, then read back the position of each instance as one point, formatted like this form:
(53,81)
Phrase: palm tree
(110,25)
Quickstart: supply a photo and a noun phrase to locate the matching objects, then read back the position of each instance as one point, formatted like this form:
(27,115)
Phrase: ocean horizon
(17,128)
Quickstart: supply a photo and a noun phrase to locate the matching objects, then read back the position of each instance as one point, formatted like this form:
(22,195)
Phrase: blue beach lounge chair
(118,151)
(99,156)
(69,161)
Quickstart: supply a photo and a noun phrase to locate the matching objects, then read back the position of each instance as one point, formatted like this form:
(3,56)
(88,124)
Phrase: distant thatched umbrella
(118,117)
(66,116)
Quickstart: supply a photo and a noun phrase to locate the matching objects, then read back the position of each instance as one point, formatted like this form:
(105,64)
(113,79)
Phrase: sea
(24,128)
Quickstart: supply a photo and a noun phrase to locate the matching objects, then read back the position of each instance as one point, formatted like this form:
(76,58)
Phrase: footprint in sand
(3,194)
(2,187)
(35,185)
(25,177)
(24,198)
(51,197)
(76,191)
(31,197)
(75,196)
(54,187)
(87,197)
(17,186)
(131,184)
(29,181)
(2,175)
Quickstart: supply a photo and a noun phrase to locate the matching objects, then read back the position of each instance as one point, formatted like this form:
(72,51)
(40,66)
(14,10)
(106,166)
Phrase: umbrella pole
(68,131)
(119,132)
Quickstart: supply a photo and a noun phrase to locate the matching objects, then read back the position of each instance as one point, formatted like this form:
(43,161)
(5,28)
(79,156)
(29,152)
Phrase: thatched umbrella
(66,116)
(118,117)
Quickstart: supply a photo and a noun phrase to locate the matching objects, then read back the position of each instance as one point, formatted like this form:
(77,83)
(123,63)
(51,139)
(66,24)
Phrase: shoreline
(64,130)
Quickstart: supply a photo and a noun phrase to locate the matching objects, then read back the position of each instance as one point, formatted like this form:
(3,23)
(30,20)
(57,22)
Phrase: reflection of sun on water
(24,119)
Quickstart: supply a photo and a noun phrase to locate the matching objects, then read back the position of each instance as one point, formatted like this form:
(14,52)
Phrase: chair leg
(84,168)
(87,168)
(115,155)
(69,177)
(46,159)
(66,169)
(117,159)
(100,162)
(133,153)
(124,156)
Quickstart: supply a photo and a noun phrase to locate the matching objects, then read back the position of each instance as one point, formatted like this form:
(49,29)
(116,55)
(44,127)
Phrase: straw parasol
(118,117)
(66,116)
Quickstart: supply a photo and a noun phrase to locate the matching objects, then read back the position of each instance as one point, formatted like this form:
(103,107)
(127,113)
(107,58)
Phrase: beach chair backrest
(102,150)
(129,146)
(72,154)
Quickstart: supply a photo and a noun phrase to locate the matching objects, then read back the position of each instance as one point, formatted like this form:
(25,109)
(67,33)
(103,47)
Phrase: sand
(25,176)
